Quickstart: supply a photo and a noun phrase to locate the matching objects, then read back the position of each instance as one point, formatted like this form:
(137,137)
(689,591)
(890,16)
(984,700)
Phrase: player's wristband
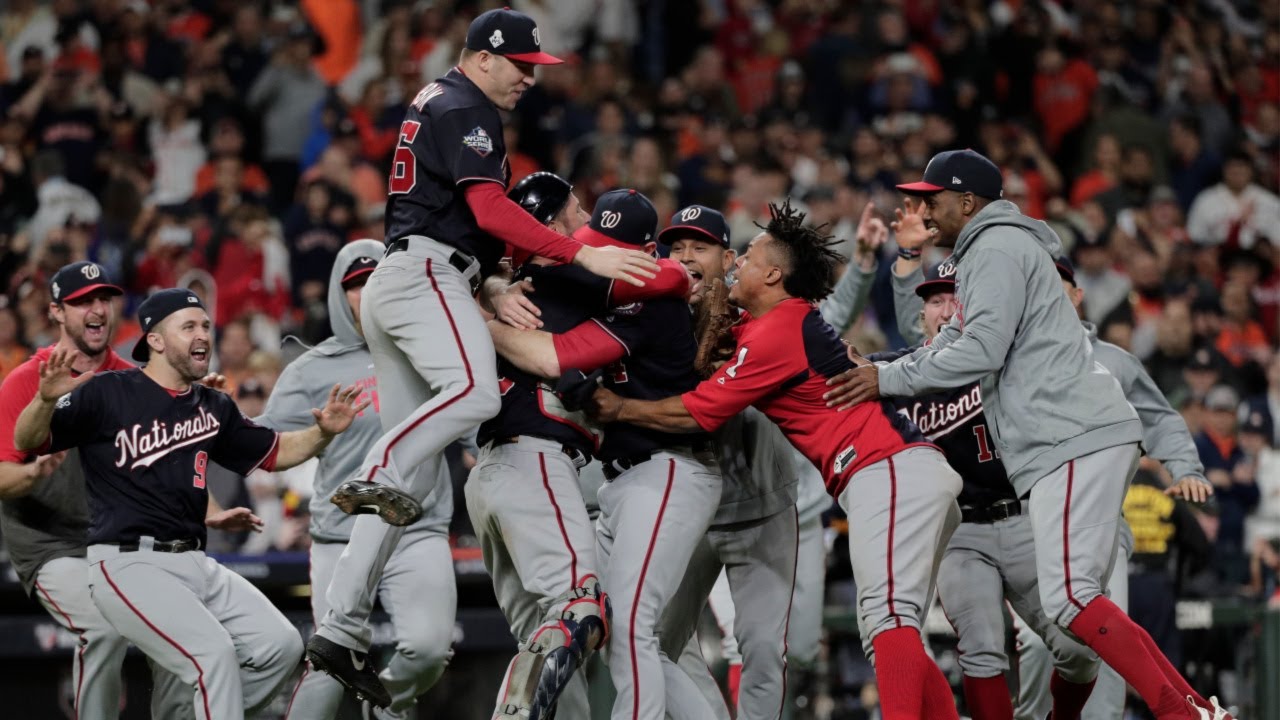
(907,254)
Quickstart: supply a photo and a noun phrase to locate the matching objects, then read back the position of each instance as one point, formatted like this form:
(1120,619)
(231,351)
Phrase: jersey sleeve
(241,446)
(77,417)
(758,368)
(469,140)
(15,394)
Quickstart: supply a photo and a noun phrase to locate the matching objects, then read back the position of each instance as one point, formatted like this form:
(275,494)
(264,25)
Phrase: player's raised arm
(56,380)
(299,446)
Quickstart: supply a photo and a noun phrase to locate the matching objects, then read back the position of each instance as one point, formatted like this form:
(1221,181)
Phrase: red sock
(1170,672)
(1068,697)
(1118,641)
(939,701)
(900,673)
(988,698)
(735,682)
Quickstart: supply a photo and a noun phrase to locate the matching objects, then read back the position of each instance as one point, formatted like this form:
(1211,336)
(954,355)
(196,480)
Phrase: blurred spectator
(1193,167)
(1232,475)
(13,351)
(227,139)
(314,232)
(148,49)
(59,200)
(286,93)
(1256,431)
(245,54)
(1236,211)
(26,24)
(1103,175)
(174,137)
(25,76)
(1241,339)
(1267,405)
(234,347)
(1199,98)
(1103,285)
(1137,177)
(1064,89)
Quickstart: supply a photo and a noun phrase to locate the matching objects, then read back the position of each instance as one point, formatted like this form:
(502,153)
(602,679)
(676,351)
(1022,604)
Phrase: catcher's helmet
(542,194)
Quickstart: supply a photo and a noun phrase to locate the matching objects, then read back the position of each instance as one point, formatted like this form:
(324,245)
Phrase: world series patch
(479,141)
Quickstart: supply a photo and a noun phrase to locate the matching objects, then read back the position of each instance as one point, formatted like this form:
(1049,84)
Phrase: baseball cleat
(395,507)
(1214,712)
(350,668)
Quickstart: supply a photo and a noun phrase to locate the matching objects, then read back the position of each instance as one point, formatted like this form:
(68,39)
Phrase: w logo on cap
(946,270)
(90,271)
(610,219)
(690,213)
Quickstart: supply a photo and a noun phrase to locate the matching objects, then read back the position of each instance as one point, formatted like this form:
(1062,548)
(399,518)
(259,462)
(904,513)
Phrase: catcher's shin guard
(541,670)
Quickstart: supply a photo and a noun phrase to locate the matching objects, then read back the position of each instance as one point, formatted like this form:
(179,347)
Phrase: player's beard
(87,347)
(187,366)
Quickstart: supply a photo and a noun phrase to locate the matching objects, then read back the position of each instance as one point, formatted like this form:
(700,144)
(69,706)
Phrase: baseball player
(784,351)
(1065,433)
(447,222)
(839,309)
(146,438)
(1166,439)
(523,495)
(417,588)
(754,538)
(662,489)
(44,513)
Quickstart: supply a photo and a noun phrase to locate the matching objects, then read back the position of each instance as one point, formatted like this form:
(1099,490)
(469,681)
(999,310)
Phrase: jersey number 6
(404,167)
(202,462)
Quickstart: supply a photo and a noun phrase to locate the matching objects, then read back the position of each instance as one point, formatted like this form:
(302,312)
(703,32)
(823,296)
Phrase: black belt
(617,466)
(990,513)
(166,546)
(579,458)
(457,258)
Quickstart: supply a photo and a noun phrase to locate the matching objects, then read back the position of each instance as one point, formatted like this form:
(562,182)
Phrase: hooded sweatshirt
(305,384)
(1048,401)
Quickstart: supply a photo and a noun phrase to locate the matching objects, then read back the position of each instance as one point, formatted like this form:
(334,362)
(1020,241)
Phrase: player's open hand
(604,405)
(340,411)
(214,380)
(236,519)
(859,383)
(1191,489)
(513,308)
(631,266)
(56,377)
(872,233)
(909,229)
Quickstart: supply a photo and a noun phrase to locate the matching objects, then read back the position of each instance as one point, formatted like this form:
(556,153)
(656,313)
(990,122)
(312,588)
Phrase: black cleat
(395,507)
(348,667)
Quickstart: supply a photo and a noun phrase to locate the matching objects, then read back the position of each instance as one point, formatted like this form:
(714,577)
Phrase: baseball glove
(713,325)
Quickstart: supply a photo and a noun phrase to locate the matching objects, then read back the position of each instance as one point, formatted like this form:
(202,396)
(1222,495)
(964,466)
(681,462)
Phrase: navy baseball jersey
(451,136)
(953,419)
(567,295)
(658,352)
(781,366)
(145,450)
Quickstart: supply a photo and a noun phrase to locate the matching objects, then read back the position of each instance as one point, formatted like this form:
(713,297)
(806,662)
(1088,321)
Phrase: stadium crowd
(233,147)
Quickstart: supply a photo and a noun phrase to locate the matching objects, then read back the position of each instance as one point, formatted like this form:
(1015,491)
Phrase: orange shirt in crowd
(1238,344)
(252,179)
(1062,100)
(338,22)
(11,357)
(1089,186)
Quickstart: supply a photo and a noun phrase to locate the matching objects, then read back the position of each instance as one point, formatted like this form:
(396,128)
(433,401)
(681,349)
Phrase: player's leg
(677,629)
(150,598)
(690,676)
(761,564)
(654,514)
(1108,699)
(1061,679)
(268,647)
(901,511)
(436,368)
(318,695)
(720,602)
(1035,664)
(804,633)
(418,591)
(62,588)
(969,588)
(528,501)
(1075,511)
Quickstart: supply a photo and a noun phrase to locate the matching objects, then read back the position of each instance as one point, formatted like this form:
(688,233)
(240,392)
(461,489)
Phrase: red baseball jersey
(782,364)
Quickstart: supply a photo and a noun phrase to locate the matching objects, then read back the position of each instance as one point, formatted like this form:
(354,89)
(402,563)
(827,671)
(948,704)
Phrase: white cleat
(1215,712)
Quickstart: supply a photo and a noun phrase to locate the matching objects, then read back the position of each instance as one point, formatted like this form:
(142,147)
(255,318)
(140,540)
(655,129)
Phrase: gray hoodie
(1164,433)
(1048,400)
(342,359)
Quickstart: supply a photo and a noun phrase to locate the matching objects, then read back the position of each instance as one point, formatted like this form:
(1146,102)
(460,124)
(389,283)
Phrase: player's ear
(650,247)
(56,313)
(728,260)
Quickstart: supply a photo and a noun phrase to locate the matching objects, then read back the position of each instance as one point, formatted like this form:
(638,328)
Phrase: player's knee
(217,657)
(283,645)
(426,648)
(483,401)
(985,662)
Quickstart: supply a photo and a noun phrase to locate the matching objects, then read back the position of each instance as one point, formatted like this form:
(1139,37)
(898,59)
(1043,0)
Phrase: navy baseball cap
(542,194)
(80,278)
(939,278)
(621,217)
(511,34)
(160,305)
(1066,269)
(698,222)
(358,269)
(962,171)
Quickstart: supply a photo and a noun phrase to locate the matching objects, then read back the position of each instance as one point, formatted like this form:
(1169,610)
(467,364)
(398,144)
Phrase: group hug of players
(990,462)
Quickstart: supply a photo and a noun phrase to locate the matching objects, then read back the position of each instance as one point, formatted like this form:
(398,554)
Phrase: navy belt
(165,546)
(578,457)
(617,466)
(990,513)
(457,259)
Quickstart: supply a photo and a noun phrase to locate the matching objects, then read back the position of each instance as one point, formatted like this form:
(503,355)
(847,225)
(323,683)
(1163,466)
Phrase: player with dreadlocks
(897,489)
